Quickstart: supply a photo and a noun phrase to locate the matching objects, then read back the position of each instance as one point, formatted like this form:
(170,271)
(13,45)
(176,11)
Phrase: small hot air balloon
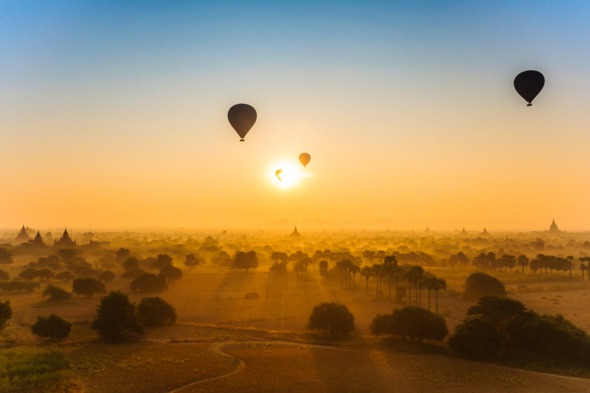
(304,159)
(242,117)
(278,174)
(528,84)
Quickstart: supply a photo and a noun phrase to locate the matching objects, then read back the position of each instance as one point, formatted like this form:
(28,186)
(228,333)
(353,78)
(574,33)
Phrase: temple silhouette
(553,227)
(65,241)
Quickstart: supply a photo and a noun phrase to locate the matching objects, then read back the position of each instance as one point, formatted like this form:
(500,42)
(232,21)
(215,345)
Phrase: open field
(223,341)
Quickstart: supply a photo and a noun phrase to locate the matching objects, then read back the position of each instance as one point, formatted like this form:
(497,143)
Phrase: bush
(332,317)
(5,313)
(56,293)
(476,338)
(155,311)
(132,274)
(52,327)
(480,284)
(106,276)
(382,325)
(149,283)
(412,322)
(116,317)
(252,295)
(171,273)
(88,286)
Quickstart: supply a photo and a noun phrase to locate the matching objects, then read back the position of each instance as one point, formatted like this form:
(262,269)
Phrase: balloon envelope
(242,117)
(304,158)
(278,174)
(528,84)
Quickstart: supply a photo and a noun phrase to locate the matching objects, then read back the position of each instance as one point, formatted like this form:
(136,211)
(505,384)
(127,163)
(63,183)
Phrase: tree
(413,322)
(132,274)
(162,261)
(88,286)
(192,261)
(149,283)
(171,273)
(523,262)
(155,311)
(245,260)
(323,266)
(332,317)
(116,317)
(52,327)
(56,293)
(5,313)
(122,254)
(106,276)
(222,258)
(131,263)
(4,276)
(479,284)
(476,338)
(5,256)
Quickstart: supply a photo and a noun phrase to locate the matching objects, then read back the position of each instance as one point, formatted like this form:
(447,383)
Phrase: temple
(65,241)
(553,227)
(295,233)
(22,237)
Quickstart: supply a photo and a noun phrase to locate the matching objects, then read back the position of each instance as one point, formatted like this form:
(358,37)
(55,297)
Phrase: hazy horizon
(114,115)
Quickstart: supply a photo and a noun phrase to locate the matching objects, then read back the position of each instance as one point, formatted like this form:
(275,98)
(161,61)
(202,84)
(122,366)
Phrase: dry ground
(172,357)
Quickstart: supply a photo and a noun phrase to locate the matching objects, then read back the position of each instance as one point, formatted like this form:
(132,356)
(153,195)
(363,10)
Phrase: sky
(113,114)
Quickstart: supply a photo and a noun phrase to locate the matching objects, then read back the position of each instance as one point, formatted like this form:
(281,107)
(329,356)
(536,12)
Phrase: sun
(285,174)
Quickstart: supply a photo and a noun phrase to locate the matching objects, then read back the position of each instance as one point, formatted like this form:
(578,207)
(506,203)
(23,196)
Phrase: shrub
(132,274)
(5,313)
(412,322)
(332,317)
(171,273)
(155,311)
(382,325)
(52,327)
(480,284)
(476,338)
(88,286)
(116,317)
(106,276)
(149,283)
(56,293)
(252,295)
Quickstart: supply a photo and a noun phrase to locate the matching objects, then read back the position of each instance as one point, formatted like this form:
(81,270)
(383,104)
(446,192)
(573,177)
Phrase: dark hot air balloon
(278,174)
(528,84)
(304,159)
(242,117)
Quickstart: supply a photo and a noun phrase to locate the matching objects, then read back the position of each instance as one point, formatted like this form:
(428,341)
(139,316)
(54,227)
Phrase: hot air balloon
(278,174)
(242,117)
(528,84)
(304,159)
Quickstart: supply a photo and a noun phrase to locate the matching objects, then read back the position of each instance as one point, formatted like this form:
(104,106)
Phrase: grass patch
(36,370)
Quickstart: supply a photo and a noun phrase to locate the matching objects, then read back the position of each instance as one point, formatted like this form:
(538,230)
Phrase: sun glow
(285,174)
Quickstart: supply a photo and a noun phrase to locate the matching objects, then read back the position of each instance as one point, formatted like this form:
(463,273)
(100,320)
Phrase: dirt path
(270,366)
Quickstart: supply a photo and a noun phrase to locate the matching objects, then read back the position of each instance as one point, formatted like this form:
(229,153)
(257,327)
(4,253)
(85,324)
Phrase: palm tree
(389,265)
(366,273)
(429,280)
(439,284)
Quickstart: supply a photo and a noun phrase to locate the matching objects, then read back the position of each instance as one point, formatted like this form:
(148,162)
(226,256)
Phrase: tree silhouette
(88,286)
(52,327)
(116,317)
(332,317)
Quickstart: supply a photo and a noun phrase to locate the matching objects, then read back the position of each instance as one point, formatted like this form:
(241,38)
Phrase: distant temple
(485,232)
(22,237)
(37,241)
(295,233)
(553,228)
(65,241)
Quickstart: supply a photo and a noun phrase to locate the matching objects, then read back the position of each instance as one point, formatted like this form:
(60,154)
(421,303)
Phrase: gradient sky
(114,113)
